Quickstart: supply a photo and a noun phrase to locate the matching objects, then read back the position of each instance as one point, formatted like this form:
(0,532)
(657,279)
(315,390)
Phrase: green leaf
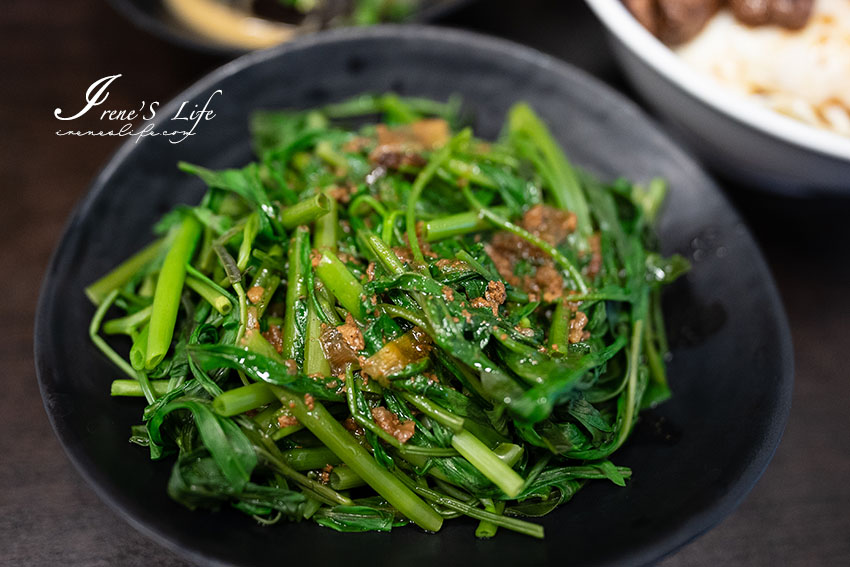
(536,404)
(588,415)
(231,450)
(352,519)
(244,182)
(197,482)
(660,270)
(561,476)
(532,140)
(261,369)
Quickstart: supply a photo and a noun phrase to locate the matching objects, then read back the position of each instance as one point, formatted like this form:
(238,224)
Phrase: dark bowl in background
(694,458)
(154,18)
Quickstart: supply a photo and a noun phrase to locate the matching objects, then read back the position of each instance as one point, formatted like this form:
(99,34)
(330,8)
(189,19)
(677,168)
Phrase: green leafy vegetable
(394,322)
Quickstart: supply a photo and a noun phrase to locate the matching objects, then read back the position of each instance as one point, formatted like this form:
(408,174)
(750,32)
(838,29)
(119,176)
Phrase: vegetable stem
(458,224)
(127,325)
(434,411)
(487,529)
(133,388)
(344,478)
(104,347)
(317,489)
(242,399)
(219,301)
(337,439)
(560,328)
(304,212)
(341,283)
(520,526)
(488,463)
(327,225)
(310,458)
(296,291)
(314,355)
(267,280)
(124,272)
(169,286)
(419,184)
(385,255)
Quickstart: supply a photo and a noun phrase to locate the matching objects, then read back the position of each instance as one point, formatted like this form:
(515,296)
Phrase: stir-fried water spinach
(387,320)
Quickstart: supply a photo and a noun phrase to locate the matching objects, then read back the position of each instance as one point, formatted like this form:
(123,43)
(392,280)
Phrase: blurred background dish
(233,27)
(761,105)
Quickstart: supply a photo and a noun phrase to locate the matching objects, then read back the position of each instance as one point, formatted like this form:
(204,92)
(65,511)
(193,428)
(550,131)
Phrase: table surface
(796,515)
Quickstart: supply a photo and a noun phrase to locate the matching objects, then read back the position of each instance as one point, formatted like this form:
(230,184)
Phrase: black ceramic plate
(154,18)
(694,458)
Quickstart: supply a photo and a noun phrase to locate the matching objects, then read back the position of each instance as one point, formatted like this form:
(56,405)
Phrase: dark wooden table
(798,514)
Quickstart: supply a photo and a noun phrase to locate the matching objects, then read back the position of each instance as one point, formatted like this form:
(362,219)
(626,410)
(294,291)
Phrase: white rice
(804,74)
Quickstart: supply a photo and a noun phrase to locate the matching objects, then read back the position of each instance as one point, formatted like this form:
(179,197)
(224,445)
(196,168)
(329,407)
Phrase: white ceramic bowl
(735,136)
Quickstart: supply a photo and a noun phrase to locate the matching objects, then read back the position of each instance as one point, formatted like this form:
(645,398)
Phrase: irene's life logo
(177,127)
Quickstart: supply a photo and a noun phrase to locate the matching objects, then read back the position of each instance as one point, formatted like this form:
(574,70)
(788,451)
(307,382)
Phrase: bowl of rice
(762,97)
